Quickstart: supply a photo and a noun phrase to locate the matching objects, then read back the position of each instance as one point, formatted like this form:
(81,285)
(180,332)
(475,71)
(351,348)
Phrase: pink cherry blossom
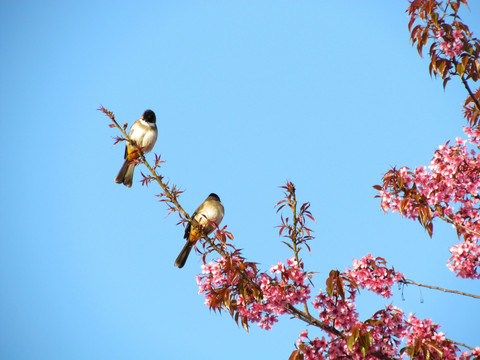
(371,273)
(423,335)
(450,188)
(288,286)
(452,45)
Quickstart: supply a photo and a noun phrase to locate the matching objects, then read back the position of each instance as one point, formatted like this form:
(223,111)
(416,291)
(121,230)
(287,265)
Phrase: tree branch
(472,96)
(450,221)
(439,288)
(462,344)
(299,314)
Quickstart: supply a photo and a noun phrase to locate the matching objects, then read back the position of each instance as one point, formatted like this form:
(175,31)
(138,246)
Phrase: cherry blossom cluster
(422,337)
(315,349)
(381,335)
(386,335)
(451,46)
(465,259)
(333,311)
(378,337)
(471,355)
(453,50)
(448,189)
(287,286)
(372,274)
(387,328)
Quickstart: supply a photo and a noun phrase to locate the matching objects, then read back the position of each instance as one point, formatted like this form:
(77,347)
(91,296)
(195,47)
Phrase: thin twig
(294,237)
(439,288)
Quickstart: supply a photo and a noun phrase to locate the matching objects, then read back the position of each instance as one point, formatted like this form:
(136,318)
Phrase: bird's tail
(125,175)
(182,257)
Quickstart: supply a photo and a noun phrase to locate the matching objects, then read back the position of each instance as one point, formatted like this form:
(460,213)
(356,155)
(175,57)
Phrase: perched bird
(144,134)
(210,211)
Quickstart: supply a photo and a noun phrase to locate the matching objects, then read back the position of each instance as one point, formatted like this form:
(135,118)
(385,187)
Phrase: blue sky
(248,95)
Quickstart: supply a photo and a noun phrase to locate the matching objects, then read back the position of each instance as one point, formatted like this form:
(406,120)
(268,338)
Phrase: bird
(143,133)
(210,211)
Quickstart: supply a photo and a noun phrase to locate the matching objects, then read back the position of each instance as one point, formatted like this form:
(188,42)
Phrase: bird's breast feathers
(144,134)
(210,212)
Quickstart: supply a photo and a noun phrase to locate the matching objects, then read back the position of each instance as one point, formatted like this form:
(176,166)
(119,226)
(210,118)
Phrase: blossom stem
(294,237)
(293,205)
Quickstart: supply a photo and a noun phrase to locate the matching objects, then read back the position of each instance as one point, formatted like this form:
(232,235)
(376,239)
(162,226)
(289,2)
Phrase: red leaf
(296,355)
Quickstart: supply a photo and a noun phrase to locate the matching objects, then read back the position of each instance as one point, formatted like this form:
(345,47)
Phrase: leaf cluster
(395,184)
(438,22)
(295,229)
